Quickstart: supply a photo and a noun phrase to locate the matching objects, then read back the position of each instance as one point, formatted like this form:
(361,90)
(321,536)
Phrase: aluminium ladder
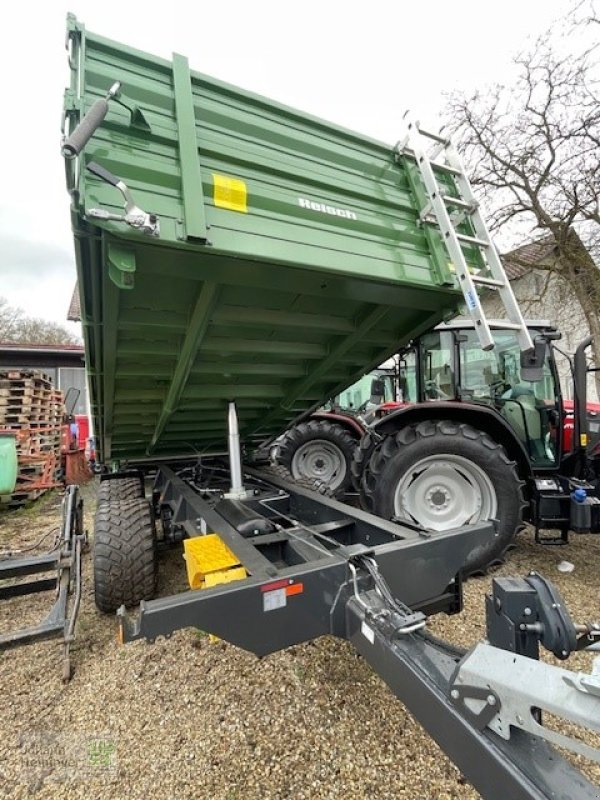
(448,213)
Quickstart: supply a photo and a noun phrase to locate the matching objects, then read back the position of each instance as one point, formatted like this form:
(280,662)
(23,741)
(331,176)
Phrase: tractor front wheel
(321,451)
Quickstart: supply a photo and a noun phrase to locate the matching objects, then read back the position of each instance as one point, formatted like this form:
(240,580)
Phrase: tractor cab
(449,364)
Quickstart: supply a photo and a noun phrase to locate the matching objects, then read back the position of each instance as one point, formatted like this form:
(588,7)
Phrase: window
(358,396)
(438,365)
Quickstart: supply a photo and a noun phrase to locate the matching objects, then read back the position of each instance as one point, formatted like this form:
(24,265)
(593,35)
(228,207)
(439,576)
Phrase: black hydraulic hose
(77,140)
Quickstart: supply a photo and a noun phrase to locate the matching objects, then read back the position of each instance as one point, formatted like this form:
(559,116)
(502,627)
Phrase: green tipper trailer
(264,261)
(288,256)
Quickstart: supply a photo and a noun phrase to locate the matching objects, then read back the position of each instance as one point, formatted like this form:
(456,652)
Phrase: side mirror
(71,398)
(377,390)
(532,361)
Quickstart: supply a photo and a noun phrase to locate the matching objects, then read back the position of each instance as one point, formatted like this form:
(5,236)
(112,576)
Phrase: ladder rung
(436,137)
(446,168)
(458,202)
(403,149)
(462,237)
(507,326)
(487,281)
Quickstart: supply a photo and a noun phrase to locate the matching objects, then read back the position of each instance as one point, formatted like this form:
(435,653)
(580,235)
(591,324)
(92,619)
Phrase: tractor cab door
(493,377)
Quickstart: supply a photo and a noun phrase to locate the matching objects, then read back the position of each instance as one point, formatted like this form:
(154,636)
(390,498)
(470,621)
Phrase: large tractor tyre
(362,457)
(125,559)
(120,489)
(319,450)
(279,471)
(443,475)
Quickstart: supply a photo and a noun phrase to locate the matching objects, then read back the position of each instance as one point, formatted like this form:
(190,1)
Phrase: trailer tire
(459,475)
(319,450)
(120,489)
(124,555)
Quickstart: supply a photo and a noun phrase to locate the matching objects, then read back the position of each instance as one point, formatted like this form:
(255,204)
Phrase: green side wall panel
(290,258)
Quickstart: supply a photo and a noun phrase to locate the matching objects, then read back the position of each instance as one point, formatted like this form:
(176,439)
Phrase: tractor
(469,440)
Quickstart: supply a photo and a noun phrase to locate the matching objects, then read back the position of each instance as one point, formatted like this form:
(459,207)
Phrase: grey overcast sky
(356,63)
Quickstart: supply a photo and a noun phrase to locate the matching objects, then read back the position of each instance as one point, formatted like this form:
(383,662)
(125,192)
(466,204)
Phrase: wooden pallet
(18,499)
(26,377)
(32,409)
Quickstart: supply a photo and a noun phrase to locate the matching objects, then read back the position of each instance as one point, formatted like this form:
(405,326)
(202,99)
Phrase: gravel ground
(187,717)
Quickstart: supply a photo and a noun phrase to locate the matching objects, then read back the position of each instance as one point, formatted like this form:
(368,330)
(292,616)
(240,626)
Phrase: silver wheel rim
(445,491)
(320,460)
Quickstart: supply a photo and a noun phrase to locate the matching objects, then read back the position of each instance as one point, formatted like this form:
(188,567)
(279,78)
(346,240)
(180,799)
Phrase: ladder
(448,213)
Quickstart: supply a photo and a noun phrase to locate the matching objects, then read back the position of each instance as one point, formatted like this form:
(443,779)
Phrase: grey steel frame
(338,552)
(65,561)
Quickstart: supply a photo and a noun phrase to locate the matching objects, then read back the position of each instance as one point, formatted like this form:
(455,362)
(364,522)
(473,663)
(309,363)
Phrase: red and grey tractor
(470,439)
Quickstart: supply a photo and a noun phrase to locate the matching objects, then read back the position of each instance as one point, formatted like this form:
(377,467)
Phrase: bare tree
(533,149)
(17,328)
(9,318)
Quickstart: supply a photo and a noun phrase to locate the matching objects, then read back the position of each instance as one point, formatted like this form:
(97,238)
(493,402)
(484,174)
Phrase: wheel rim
(445,491)
(320,460)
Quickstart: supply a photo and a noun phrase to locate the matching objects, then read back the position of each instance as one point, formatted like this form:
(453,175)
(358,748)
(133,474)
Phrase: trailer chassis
(316,567)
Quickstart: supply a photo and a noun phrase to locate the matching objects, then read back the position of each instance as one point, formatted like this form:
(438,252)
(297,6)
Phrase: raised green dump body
(289,258)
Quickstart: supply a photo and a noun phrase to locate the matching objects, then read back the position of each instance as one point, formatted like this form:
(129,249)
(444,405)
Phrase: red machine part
(593,415)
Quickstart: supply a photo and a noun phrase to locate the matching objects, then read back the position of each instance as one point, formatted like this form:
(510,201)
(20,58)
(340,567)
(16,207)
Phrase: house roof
(74,312)
(26,347)
(526,257)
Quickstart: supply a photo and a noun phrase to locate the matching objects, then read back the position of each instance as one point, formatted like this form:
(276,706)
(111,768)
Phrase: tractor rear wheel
(124,555)
(442,475)
(319,450)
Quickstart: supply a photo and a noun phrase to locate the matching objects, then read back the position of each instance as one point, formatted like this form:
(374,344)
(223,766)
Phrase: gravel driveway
(187,718)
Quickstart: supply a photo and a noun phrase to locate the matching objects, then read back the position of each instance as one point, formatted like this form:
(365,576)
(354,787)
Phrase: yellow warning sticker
(230,193)
(583,440)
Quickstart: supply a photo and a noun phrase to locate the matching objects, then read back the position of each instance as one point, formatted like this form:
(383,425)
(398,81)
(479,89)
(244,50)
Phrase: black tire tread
(318,429)
(120,489)
(124,554)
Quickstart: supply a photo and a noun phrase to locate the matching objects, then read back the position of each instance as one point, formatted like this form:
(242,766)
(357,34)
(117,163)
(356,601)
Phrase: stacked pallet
(32,409)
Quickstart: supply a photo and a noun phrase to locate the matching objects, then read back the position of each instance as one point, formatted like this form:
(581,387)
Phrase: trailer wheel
(120,489)
(125,562)
(319,450)
(443,475)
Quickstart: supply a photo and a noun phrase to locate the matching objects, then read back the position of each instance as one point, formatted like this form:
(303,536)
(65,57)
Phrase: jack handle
(77,140)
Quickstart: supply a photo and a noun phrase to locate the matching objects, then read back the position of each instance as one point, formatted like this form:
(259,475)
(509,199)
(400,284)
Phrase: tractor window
(358,397)
(493,377)
(408,377)
(437,364)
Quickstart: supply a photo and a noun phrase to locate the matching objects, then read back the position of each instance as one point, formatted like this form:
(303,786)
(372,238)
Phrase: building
(64,363)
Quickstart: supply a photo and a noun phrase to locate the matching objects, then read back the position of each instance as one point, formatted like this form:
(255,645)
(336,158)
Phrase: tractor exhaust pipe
(580,422)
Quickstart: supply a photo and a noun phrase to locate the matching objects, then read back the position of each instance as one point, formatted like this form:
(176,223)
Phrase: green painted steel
(289,260)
